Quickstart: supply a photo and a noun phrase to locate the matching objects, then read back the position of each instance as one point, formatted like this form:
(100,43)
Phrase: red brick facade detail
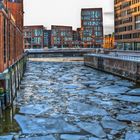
(11,34)
(34,37)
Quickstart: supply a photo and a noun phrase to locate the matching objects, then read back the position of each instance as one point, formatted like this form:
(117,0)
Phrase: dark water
(7,121)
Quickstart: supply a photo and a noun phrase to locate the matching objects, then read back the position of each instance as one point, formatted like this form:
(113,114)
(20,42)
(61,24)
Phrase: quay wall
(129,69)
(10,80)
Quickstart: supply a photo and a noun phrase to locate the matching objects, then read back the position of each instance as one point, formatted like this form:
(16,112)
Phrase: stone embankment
(10,79)
(127,66)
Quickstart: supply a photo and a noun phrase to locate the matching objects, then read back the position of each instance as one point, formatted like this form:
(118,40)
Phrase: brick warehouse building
(11,32)
(62,36)
(92,27)
(34,36)
(127,24)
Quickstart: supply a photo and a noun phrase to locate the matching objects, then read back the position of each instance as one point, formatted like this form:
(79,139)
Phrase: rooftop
(91,9)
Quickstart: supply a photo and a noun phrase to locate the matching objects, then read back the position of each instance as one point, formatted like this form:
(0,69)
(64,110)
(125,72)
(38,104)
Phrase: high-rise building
(61,36)
(34,37)
(11,32)
(92,27)
(127,24)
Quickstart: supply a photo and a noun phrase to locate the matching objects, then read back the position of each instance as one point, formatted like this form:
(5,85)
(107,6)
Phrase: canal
(64,100)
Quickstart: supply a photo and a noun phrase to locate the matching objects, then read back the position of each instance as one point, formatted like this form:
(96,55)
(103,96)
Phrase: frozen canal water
(68,101)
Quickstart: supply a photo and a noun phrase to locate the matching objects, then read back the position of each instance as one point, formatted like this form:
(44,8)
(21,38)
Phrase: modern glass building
(92,27)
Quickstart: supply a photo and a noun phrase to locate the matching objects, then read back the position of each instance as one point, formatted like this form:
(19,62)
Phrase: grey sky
(65,12)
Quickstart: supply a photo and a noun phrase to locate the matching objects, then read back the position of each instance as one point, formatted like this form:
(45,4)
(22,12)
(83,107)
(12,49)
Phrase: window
(36,40)
(27,34)
(137,22)
(136,35)
(9,44)
(5,43)
(38,32)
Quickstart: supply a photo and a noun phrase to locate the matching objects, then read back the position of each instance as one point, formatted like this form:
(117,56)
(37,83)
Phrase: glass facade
(92,25)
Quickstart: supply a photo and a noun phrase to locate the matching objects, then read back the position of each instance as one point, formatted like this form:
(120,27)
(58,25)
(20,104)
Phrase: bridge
(43,53)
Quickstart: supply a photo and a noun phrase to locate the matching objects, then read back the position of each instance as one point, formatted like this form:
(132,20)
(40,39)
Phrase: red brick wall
(17,11)
(13,43)
(1,43)
(31,29)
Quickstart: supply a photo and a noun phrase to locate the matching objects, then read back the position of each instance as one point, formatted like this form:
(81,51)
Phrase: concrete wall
(10,79)
(125,68)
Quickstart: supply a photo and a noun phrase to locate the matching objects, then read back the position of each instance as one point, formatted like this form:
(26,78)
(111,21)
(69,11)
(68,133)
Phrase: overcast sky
(65,12)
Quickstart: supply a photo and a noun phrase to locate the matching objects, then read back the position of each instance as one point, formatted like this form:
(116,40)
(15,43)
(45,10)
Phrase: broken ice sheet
(129,117)
(35,109)
(134,92)
(73,137)
(85,109)
(132,99)
(113,89)
(113,124)
(71,86)
(93,128)
(132,136)
(8,137)
(49,137)
(32,125)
